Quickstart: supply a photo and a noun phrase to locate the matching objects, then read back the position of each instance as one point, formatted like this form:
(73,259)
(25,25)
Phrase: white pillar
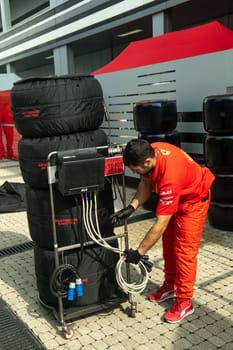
(10,68)
(63,60)
(5,14)
(160,23)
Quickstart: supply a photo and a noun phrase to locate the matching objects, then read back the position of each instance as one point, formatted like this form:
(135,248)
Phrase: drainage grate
(14,335)
(15,249)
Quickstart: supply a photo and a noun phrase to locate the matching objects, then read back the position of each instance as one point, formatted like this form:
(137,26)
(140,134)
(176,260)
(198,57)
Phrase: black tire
(172,137)
(53,106)
(222,189)
(218,114)
(151,203)
(218,152)
(40,218)
(44,262)
(68,218)
(94,265)
(220,216)
(154,117)
(33,152)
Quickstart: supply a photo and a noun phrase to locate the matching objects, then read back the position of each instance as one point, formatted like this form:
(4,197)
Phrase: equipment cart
(81,173)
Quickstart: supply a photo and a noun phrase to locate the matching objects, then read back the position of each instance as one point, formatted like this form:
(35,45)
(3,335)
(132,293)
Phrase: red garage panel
(199,40)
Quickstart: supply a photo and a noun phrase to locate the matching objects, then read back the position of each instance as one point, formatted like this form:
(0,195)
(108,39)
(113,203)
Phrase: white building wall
(188,81)
(20,8)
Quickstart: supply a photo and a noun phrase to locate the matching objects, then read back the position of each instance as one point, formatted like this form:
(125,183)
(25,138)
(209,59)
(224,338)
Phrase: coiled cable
(134,287)
(59,281)
(94,233)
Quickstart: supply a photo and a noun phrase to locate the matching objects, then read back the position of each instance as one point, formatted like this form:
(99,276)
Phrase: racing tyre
(68,218)
(220,216)
(51,106)
(172,137)
(218,114)
(40,218)
(33,152)
(154,117)
(222,189)
(94,265)
(218,152)
(151,203)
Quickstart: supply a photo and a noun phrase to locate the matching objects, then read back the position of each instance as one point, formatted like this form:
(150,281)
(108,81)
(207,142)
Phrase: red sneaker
(163,293)
(180,309)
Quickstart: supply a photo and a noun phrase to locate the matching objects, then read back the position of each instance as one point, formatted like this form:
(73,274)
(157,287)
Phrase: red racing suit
(183,188)
(6,125)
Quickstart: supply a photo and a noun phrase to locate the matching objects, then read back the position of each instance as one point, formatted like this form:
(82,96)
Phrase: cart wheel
(133,312)
(69,333)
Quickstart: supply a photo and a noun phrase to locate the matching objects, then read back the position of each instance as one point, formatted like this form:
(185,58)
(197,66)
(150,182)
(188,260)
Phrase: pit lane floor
(209,328)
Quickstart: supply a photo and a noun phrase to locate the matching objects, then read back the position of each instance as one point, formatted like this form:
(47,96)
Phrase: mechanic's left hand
(147,263)
(133,256)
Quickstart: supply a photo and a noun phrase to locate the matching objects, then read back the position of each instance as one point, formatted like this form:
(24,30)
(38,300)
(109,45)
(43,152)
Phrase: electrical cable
(59,281)
(135,287)
(95,235)
(118,188)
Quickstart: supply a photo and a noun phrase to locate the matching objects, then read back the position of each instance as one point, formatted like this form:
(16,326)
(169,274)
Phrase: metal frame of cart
(63,315)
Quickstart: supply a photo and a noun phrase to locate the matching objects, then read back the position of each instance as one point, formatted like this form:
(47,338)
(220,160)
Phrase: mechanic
(183,189)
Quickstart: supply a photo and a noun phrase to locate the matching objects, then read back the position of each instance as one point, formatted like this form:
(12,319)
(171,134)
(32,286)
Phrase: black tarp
(12,197)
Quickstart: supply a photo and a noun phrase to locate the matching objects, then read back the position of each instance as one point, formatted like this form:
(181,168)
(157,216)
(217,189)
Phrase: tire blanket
(57,105)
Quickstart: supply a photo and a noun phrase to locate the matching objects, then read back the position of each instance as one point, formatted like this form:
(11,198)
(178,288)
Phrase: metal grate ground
(14,335)
(19,248)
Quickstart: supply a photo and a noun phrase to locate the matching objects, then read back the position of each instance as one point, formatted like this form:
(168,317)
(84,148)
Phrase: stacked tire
(55,114)
(156,121)
(218,150)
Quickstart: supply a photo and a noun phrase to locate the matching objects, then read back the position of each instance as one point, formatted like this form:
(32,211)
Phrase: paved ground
(210,327)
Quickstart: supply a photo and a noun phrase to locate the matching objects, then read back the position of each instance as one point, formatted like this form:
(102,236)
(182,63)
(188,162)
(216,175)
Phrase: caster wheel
(69,333)
(133,313)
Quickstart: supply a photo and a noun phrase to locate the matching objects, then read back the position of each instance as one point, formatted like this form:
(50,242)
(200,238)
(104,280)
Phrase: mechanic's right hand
(122,214)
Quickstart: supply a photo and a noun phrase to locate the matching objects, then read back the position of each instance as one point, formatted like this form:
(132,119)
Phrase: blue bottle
(79,287)
(71,291)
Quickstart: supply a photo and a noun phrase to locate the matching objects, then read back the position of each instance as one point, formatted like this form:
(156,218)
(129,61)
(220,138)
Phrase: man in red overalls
(6,126)
(183,188)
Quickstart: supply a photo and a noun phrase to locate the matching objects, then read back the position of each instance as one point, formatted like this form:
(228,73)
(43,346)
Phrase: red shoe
(181,309)
(163,293)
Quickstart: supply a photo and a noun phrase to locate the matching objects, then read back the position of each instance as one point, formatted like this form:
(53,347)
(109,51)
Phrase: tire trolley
(81,173)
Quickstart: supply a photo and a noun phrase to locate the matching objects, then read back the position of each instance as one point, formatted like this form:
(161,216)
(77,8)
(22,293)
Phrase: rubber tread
(218,114)
(172,137)
(218,152)
(154,117)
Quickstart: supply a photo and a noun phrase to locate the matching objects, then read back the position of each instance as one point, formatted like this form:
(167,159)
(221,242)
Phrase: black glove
(132,256)
(122,214)
(148,264)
